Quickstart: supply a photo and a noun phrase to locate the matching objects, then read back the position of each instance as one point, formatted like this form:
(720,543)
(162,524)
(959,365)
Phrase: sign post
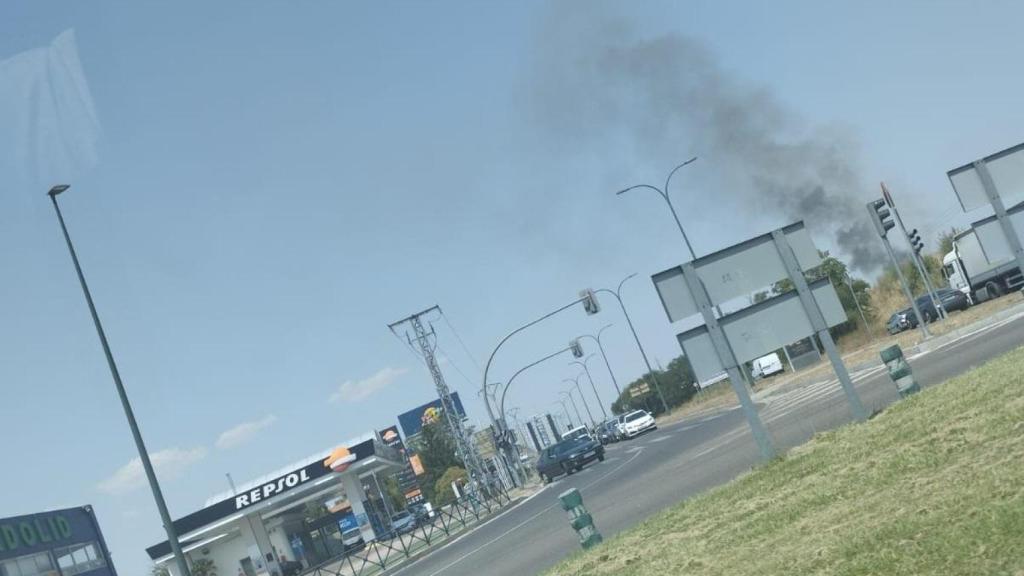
(813,311)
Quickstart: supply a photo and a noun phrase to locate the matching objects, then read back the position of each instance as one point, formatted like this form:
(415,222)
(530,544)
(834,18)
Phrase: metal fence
(394,549)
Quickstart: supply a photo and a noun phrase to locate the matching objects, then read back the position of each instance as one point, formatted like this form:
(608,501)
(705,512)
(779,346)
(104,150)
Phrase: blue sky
(265,186)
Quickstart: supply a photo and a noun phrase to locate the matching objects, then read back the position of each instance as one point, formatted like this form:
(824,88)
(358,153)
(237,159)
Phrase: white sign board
(760,329)
(1007,171)
(753,265)
(770,325)
(992,239)
(700,352)
(675,294)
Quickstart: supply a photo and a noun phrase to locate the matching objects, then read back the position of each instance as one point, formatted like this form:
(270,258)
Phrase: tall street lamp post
(147,465)
(573,402)
(590,379)
(618,298)
(600,347)
(579,390)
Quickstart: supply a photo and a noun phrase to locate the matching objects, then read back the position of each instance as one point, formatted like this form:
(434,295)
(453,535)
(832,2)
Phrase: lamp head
(59,188)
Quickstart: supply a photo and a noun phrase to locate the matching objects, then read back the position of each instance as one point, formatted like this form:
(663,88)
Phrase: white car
(637,422)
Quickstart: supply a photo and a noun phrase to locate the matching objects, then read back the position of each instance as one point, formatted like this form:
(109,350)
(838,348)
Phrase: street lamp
(147,465)
(565,411)
(600,347)
(579,390)
(654,379)
(664,194)
(586,371)
(573,402)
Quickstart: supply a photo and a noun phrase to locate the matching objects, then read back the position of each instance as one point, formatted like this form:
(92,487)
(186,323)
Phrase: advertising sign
(413,420)
(62,541)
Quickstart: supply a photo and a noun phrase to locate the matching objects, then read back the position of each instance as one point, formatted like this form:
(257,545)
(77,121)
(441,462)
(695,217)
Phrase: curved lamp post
(579,390)
(593,387)
(618,298)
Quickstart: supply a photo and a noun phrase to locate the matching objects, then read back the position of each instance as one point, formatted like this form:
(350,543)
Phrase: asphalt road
(645,475)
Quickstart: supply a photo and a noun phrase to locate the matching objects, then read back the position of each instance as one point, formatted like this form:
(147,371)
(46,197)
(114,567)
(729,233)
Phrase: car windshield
(400,516)
(576,433)
(635,416)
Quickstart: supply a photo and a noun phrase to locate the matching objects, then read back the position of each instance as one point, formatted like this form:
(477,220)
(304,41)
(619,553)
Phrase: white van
(766,366)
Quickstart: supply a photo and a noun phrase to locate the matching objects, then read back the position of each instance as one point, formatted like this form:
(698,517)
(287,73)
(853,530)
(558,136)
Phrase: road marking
(658,439)
(517,526)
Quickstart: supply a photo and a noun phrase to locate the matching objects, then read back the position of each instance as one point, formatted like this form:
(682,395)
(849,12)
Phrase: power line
(462,343)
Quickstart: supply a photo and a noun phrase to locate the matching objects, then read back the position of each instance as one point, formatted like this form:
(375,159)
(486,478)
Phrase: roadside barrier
(580,520)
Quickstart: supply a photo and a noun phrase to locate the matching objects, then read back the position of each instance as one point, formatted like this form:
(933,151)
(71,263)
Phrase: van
(766,366)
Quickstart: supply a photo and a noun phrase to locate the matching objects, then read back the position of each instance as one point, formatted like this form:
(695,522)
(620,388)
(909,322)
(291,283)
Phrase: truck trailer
(967,268)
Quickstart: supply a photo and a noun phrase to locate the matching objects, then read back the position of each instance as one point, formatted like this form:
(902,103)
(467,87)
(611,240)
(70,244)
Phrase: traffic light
(915,241)
(590,301)
(881,216)
(575,348)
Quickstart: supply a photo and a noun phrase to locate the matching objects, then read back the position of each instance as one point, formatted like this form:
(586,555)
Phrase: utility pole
(463,443)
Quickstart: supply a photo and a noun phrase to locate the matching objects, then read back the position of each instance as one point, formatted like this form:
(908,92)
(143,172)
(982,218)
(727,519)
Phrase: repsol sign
(286,482)
(32,532)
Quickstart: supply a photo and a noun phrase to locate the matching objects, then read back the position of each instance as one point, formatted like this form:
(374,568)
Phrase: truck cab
(956,277)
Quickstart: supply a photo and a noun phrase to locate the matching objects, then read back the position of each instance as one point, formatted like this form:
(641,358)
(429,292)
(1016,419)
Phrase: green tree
(204,567)
(946,240)
(314,511)
(159,571)
(443,493)
(394,492)
(436,449)
(677,385)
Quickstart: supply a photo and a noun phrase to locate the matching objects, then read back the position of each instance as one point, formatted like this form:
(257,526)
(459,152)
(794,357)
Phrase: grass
(933,485)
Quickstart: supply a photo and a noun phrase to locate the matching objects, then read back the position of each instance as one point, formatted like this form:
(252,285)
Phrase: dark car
(568,456)
(897,322)
(951,300)
(607,433)
(290,567)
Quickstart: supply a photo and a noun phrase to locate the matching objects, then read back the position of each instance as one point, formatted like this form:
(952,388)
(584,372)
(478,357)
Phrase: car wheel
(544,479)
(567,468)
(600,457)
(994,290)
(928,319)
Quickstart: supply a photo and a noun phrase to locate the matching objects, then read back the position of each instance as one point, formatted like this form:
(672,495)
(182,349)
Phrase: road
(645,475)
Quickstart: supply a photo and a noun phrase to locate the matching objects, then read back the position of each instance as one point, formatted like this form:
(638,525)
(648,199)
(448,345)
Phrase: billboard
(58,542)
(413,420)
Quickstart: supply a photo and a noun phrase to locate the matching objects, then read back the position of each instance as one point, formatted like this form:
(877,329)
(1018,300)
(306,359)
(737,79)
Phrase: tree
(677,384)
(394,492)
(436,449)
(314,511)
(159,571)
(443,494)
(946,240)
(204,567)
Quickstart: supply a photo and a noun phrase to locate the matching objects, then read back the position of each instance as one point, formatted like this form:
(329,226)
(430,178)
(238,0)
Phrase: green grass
(934,485)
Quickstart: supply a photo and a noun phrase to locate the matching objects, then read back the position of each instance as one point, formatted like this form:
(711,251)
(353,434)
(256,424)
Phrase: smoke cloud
(596,81)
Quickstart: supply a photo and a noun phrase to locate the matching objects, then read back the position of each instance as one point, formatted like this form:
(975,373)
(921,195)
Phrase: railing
(393,549)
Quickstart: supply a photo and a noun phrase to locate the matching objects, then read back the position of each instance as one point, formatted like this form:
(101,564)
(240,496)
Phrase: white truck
(968,270)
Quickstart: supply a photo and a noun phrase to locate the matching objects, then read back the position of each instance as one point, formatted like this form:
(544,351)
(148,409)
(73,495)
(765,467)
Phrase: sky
(259,188)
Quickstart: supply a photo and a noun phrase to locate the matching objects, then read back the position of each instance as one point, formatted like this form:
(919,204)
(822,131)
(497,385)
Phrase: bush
(443,493)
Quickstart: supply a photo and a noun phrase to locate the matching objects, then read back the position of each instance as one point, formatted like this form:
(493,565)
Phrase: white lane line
(521,524)
(658,439)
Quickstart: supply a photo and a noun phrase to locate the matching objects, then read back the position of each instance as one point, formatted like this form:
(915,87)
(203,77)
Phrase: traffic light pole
(916,257)
(878,213)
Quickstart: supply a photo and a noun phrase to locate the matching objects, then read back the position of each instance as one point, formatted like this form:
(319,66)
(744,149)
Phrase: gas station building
(253,530)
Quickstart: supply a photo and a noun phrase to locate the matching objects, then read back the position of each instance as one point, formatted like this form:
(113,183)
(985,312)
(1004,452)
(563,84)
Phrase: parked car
(290,567)
(766,366)
(403,522)
(898,322)
(568,456)
(952,300)
(637,422)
